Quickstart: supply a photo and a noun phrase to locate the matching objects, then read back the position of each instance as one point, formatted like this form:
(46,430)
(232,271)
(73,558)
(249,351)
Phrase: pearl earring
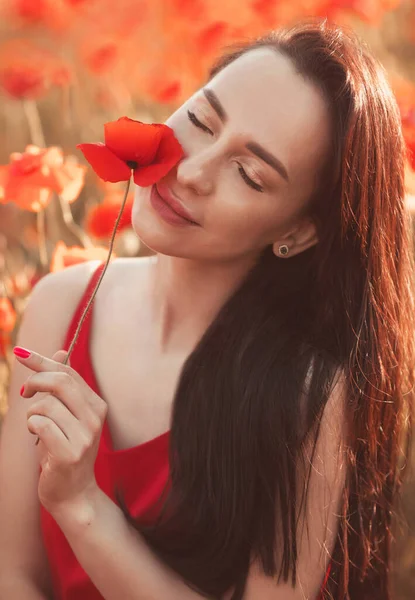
(283,250)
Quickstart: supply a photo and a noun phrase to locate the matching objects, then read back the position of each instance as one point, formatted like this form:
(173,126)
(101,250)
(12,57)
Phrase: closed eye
(203,127)
(196,122)
(248,180)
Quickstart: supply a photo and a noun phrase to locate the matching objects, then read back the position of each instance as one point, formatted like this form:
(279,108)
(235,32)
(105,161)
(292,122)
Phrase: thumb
(60,356)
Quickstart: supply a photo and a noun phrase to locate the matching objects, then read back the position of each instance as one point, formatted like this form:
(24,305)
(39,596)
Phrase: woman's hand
(68,419)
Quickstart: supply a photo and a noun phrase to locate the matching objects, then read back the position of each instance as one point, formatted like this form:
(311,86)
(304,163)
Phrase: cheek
(245,221)
(142,220)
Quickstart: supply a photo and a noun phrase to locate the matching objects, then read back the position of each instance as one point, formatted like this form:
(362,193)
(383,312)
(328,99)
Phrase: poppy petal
(101,219)
(132,140)
(169,153)
(148,175)
(33,199)
(104,162)
(69,180)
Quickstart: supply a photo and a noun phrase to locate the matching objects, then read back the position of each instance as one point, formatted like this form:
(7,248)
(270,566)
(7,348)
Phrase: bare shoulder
(43,327)
(63,289)
(121,268)
(56,295)
(70,280)
(52,302)
(123,275)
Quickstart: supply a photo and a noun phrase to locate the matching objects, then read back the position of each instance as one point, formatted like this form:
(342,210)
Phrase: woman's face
(255,139)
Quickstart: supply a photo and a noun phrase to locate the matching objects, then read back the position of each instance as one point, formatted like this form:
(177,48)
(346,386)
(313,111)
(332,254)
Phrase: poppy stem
(41,232)
(78,329)
(102,275)
(35,124)
(68,219)
(38,139)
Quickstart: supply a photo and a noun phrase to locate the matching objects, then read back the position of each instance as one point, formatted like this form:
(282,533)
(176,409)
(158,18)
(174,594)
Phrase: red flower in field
(100,55)
(49,13)
(164,91)
(212,36)
(31,177)
(405,93)
(65,257)
(31,11)
(263,7)
(150,151)
(7,315)
(7,324)
(27,71)
(22,81)
(101,219)
(408,126)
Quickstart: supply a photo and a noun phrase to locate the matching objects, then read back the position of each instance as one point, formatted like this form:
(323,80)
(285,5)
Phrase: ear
(299,238)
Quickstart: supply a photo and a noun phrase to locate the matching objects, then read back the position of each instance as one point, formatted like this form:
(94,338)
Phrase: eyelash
(248,180)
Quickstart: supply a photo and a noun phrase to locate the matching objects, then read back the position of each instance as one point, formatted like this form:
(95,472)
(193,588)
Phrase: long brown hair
(345,305)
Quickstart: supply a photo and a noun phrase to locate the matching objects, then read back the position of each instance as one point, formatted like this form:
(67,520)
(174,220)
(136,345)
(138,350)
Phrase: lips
(174,204)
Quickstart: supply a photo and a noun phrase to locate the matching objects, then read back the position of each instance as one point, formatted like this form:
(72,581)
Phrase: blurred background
(69,66)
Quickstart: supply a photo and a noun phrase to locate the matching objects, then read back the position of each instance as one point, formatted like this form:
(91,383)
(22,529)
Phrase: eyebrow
(255,148)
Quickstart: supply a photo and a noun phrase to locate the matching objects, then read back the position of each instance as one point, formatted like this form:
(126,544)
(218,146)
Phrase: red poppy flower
(101,218)
(22,82)
(5,343)
(48,13)
(165,92)
(149,150)
(29,71)
(31,177)
(7,315)
(212,36)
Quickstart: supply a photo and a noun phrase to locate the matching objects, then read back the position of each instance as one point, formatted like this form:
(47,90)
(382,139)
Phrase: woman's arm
(115,556)
(121,565)
(17,587)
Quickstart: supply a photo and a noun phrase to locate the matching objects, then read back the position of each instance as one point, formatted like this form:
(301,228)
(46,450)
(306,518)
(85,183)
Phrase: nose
(195,171)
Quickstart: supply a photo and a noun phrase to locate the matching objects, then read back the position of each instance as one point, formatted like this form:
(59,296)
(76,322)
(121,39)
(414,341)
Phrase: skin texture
(198,267)
(266,101)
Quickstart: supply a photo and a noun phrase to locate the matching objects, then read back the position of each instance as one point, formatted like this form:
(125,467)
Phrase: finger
(39,363)
(65,390)
(50,408)
(64,449)
(60,357)
(54,439)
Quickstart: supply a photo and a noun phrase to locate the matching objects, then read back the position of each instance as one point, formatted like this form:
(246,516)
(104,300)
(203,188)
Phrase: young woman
(258,370)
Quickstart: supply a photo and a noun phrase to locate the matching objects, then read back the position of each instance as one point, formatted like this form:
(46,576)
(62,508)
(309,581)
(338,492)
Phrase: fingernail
(21,352)
(22,390)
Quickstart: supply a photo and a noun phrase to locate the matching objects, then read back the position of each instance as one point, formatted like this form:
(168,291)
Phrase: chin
(157,235)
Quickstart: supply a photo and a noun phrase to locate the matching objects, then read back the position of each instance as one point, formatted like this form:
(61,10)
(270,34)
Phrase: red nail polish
(21,352)
(22,390)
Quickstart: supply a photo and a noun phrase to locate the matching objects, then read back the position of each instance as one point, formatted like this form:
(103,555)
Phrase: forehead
(267,99)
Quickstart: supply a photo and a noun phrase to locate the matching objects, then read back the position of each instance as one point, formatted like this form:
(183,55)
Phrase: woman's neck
(186,295)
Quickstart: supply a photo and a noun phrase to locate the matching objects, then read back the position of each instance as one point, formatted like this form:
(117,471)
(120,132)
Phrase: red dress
(141,472)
